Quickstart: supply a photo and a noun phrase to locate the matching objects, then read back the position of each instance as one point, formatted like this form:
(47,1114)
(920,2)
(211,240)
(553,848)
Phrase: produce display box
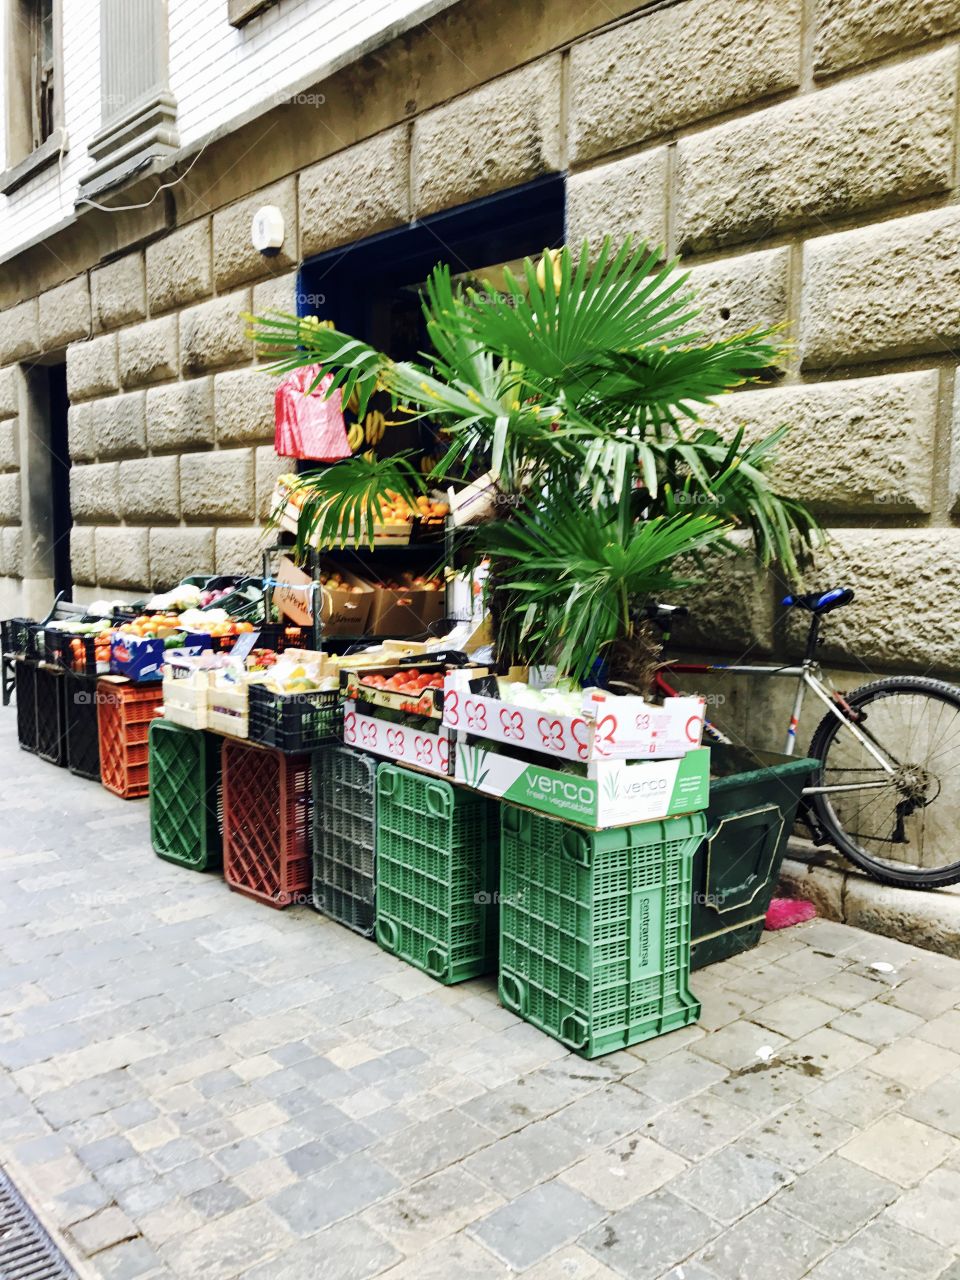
(185,800)
(601,794)
(437,869)
(618,728)
(293,721)
(25,675)
(754,797)
(266,823)
(228,710)
(82,733)
(142,659)
(428,701)
(344,837)
(76,653)
(51,706)
(418,748)
(404,611)
(286,516)
(124,713)
(595,928)
(185,698)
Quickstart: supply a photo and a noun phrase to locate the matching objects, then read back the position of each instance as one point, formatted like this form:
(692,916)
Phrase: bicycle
(887,752)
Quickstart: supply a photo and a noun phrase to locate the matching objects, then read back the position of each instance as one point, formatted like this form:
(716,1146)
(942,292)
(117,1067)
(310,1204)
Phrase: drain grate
(26,1251)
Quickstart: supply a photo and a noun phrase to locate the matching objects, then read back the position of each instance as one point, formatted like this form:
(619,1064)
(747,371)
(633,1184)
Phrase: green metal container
(437,869)
(185,799)
(753,803)
(595,928)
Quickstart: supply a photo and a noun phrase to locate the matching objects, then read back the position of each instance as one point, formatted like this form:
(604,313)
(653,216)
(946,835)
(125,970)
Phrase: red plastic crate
(124,712)
(266,822)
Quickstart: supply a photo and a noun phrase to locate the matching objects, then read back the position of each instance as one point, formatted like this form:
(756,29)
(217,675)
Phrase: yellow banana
(355,436)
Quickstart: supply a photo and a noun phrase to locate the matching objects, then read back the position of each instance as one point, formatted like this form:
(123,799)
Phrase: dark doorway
(48,519)
(60,478)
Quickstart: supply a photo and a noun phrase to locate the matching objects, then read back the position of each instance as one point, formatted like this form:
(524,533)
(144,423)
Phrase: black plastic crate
(51,714)
(17,635)
(70,651)
(294,721)
(81,731)
(344,825)
(25,674)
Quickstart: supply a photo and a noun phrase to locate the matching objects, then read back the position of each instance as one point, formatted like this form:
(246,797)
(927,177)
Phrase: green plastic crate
(344,826)
(185,798)
(595,928)
(436,874)
(753,803)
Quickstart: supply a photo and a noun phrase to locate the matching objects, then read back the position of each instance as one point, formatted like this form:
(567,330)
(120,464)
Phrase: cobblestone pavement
(194,1085)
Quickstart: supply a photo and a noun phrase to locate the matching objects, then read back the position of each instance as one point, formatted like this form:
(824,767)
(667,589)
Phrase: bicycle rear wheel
(900,828)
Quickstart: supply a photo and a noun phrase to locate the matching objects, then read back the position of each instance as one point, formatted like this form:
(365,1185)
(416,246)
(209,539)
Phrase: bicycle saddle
(821,601)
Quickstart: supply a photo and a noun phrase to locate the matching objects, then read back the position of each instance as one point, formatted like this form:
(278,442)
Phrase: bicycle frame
(808,676)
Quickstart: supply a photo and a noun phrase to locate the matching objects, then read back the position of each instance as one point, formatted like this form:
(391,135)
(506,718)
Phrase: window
(138,113)
(34,110)
(44,93)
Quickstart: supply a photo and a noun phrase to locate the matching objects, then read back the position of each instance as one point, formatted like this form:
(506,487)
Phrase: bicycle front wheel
(897,824)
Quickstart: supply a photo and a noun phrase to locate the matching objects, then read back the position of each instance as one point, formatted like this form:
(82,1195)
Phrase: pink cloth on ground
(308,423)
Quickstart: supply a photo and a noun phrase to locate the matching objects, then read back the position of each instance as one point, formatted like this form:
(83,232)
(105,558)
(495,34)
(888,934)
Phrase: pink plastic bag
(309,425)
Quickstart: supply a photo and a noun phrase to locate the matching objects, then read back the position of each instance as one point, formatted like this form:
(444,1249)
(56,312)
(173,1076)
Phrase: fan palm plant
(577,389)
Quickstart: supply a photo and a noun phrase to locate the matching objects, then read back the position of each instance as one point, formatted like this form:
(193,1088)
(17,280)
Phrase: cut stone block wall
(801,156)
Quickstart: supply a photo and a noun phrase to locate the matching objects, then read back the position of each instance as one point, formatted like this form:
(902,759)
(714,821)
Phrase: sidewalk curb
(923,918)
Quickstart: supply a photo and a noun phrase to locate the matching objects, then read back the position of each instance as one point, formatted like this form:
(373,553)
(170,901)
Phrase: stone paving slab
(193,1085)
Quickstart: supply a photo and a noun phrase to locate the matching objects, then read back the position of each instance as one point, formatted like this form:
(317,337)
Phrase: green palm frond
(569,574)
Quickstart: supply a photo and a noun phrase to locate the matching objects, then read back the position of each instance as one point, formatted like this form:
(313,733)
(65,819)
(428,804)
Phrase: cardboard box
(140,659)
(622,728)
(608,793)
(404,612)
(428,752)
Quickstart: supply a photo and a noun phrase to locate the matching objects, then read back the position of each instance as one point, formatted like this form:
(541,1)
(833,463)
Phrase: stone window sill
(46,154)
(241,11)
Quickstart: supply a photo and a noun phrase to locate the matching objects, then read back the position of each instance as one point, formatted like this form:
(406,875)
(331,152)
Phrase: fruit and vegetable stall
(431,719)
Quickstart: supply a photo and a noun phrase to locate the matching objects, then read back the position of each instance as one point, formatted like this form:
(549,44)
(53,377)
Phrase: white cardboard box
(612,728)
(398,742)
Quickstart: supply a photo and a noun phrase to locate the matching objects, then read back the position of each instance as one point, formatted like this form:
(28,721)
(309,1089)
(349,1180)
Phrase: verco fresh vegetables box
(606,793)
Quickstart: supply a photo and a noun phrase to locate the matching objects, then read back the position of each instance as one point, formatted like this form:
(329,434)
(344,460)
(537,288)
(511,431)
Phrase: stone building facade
(801,155)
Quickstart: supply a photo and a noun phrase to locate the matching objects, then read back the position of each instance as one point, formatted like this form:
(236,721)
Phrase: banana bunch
(428,462)
(375,425)
(354,436)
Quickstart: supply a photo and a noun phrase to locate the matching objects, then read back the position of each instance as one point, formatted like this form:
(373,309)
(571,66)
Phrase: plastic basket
(344,824)
(595,928)
(82,735)
(294,721)
(266,823)
(753,803)
(436,874)
(25,673)
(73,652)
(51,714)
(185,803)
(17,635)
(124,713)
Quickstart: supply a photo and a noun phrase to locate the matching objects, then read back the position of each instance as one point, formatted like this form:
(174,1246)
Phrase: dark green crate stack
(437,871)
(185,804)
(595,928)
(344,823)
(753,803)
